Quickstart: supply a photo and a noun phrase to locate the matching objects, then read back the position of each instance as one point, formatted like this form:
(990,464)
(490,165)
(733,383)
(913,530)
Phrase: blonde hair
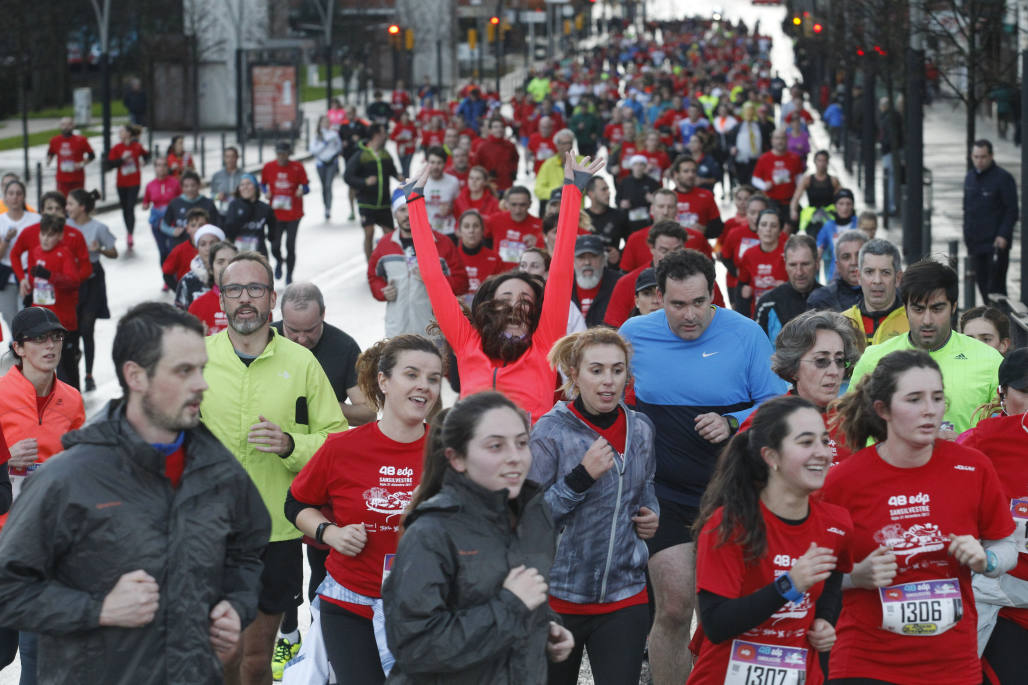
(567,353)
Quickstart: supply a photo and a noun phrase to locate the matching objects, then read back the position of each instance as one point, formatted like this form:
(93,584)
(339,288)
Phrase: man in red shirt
(285,183)
(498,155)
(73,153)
(540,145)
(696,207)
(778,171)
(514,231)
(662,208)
(664,237)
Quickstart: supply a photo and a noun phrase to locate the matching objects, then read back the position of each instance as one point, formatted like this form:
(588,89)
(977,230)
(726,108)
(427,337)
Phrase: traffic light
(408,39)
(818,28)
(393,30)
(796,21)
(472,39)
(494,20)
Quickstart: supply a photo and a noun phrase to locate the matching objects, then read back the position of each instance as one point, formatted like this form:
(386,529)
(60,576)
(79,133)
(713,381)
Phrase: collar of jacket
(25,384)
(274,340)
(110,428)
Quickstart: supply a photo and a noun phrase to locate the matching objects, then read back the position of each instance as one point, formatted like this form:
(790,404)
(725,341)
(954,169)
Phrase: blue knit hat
(399,200)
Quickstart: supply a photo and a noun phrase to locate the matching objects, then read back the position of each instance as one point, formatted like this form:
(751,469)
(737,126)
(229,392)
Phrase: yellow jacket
(551,177)
(286,385)
(895,323)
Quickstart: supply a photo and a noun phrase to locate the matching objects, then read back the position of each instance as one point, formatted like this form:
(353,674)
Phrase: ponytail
(86,198)
(741,474)
(855,411)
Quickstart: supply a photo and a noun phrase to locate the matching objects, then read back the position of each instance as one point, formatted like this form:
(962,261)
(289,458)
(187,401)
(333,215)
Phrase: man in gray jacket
(135,553)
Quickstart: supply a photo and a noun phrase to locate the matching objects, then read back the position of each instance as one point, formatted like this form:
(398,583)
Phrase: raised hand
(579,173)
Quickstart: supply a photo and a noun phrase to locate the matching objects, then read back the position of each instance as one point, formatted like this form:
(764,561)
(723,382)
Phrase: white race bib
(1019,510)
(925,608)
(246,243)
(780,176)
(753,663)
(688,219)
(43,292)
(511,250)
(283,202)
(18,477)
(128,167)
(68,166)
(639,214)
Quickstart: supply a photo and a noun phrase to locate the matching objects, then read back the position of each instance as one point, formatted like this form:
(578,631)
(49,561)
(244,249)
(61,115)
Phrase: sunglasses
(825,362)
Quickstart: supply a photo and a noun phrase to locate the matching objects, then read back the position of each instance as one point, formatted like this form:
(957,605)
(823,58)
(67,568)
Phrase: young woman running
(595,459)
(92,303)
(367,475)
(927,513)
(466,602)
(249,221)
(128,158)
(769,558)
(511,328)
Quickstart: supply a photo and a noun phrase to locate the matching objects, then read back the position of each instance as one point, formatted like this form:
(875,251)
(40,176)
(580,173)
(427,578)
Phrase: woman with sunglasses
(1002,628)
(815,352)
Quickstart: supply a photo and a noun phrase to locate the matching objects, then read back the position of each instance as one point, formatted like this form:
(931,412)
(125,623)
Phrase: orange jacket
(20,418)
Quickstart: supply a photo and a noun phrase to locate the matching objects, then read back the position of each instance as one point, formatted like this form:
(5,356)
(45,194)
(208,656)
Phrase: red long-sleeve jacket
(528,381)
(73,240)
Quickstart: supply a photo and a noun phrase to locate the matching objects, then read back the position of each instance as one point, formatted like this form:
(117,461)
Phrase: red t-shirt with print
(367,478)
(508,236)
(914,511)
(724,570)
(282,183)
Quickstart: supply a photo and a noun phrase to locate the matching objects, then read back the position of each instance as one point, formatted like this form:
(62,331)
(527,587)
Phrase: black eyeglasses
(234,290)
(825,362)
(54,336)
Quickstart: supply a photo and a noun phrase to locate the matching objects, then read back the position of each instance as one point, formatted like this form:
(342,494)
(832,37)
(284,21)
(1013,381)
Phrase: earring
(774,466)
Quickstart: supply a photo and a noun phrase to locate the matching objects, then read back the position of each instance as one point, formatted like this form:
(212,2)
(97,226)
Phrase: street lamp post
(917,239)
(103,16)
(1022,32)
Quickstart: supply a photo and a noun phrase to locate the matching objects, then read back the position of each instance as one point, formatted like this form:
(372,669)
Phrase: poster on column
(275,98)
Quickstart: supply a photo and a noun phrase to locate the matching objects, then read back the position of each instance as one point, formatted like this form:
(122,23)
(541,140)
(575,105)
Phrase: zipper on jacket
(620,464)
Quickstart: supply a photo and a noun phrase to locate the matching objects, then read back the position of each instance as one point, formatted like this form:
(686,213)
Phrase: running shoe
(90,384)
(278,271)
(284,651)
(128,239)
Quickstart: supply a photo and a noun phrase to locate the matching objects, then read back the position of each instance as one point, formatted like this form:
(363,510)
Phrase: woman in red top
(128,157)
(815,352)
(769,558)
(514,321)
(179,160)
(158,195)
(476,195)
(927,513)
(368,476)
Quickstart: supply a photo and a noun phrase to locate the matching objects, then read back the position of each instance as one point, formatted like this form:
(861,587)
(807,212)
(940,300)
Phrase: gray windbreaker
(103,508)
(599,558)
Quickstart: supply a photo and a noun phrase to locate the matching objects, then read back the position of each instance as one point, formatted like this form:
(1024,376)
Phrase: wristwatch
(785,587)
(319,534)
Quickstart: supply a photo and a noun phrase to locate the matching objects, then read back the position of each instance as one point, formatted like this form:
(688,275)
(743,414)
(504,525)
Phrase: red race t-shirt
(732,245)
(69,150)
(282,183)
(778,173)
(368,478)
(509,236)
(697,208)
(479,266)
(486,205)
(764,271)
(914,511)
(432,138)
(128,172)
(637,253)
(586,297)
(207,308)
(1003,440)
(779,645)
(406,138)
(542,149)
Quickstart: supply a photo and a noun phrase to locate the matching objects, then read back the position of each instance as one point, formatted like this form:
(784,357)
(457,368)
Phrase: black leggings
(1006,654)
(289,228)
(615,642)
(87,324)
(350,643)
(316,558)
(68,369)
(127,197)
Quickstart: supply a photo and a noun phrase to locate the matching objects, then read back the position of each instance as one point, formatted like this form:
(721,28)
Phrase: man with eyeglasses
(970,368)
(271,404)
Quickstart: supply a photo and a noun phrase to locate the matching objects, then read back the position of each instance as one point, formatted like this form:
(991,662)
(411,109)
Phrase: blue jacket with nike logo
(727,370)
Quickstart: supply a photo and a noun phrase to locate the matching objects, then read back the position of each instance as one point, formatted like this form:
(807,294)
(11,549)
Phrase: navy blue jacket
(990,208)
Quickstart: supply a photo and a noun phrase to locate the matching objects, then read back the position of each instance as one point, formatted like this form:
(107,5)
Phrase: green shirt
(970,373)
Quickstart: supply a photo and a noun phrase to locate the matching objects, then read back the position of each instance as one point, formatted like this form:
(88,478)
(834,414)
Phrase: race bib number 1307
(753,663)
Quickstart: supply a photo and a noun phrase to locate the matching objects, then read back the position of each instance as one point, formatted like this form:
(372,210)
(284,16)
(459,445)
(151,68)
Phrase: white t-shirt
(27,219)
(439,197)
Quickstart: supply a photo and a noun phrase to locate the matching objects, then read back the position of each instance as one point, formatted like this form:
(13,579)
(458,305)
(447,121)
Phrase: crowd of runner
(815,462)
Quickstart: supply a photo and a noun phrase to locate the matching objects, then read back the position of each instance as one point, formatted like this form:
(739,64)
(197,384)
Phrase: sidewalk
(945,158)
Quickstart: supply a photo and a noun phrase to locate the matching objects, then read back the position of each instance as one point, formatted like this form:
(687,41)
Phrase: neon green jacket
(282,384)
(970,373)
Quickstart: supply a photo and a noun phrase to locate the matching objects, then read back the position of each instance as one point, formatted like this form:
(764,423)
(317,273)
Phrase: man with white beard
(594,281)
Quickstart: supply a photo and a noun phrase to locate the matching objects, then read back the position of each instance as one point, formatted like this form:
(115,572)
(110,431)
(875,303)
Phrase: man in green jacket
(970,369)
(271,404)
